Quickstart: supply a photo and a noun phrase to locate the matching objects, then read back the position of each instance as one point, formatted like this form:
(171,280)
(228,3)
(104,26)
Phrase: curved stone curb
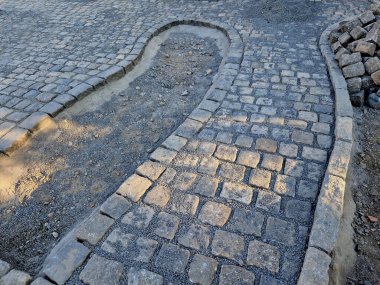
(17,136)
(75,247)
(329,207)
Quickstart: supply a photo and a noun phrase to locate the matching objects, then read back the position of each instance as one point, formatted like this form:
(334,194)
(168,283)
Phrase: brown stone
(365,48)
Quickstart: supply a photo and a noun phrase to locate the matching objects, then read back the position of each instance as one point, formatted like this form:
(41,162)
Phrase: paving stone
(64,259)
(248,158)
(36,121)
(4,268)
(244,141)
(189,128)
(184,181)
(196,237)
(259,130)
(52,108)
(272,162)
(237,192)
(268,201)
(134,187)
(167,225)
(266,145)
(263,255)
(163,155)
(232,171)
(215,214)
(185,204)
(269,280)
(115,206)
(246,222)
(289,150)
(319,262)
(172,258)
(294,167)
(208,166)
(115,238)
(298,210)
(140,217)
(93,228)
(314,154)
(100,270)
(231,274)
(227,153)
(260,178)
(206,148)
(143,277)
(280,231)
(158,195)
(228,245)
(146,248)
(285,185)
(206,186)
(303,137)
(13,140)
(151,170)
(202,269)
(15,277)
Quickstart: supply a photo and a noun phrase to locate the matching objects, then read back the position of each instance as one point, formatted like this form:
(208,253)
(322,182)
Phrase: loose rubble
(356,45)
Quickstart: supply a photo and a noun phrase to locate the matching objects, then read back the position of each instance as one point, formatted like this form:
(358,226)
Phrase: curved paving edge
(329,209)
(37,121)
(75,247)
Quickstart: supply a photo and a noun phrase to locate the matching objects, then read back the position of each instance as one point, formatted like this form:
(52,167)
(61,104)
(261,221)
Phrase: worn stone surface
(4,268)
(234,149)
(15,277)
(202,270)
(316,265)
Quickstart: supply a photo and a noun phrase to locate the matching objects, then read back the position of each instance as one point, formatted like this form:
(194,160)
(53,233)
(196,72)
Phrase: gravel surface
(63,174)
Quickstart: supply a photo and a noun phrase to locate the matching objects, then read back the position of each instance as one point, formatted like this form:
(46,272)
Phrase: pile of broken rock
(356,45)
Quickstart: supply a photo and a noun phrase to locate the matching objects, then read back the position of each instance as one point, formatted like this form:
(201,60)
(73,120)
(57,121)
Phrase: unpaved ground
(358,256)
(57,179)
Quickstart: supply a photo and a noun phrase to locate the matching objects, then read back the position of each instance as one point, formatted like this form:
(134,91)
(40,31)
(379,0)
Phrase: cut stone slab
(354,85)
(159,196)
(139,218)
(202,270)
(93,228)
(228,245)
(172,258)
(134,187)
(367,17)
(196,237)
(144,277)
(215,214)
(353,70)
(365,48)
(151,170)
(263,255)
(315,270)
(348,59)
(238,192)
(16,277)
(231,274)
(167,225)
(99,271)
(358,32)
(376,77)
(246,222)
(115,206)
(373,35)
(64,259)
(13,140)
(372,65)
(37,121)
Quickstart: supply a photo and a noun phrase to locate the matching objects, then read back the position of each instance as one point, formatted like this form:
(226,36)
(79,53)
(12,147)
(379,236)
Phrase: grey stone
(269,280)
(36,121)
(227,153)
(93,228)
(367,17)
(228,245)
(175,142)
(246,222)
(215,214)
(238,192)
(15,277)
(151,170)
(146,248)
(372,65)
(208,165)
(376,77)
(144,277)
(52,108)
(163,155)
(13,140)
(167,225)
(358,32)
(115,206)
(315,270)
(348,59)
(99,271)
(134,187)
(263,255)
(185,204)
(232,171)
(272,162)
(363,47)
(206,186)
(268,201)
(4,268)
(298,210)
(353,70)
(196,237)
(260,178)
(354,85)
(139,218)
(314,154)
(357,99)
(159,196)
(345,38)
(231,274)
(285,185)
(281,231)
(117,238)
(67,256)
(374,101)
(41,281)
(248,158)
(172,258)
(202,270)
(189,128)
(373,35)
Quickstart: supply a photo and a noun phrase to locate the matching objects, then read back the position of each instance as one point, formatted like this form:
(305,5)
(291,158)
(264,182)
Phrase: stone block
(376,77)
(268,201)
(228,245)
(238,192)
(139,218)
(172,258)
(15,277)
(343,129)
(357,99)
(246,222)
(15,138)
(144,277)
(196,237)
(134,187)
(367,17)
(206,186)
(367,82)
(215,214)
(353,70)
(163,155)
(231,274)
(374,100)
(115,206)
(4,268)
(67,256)
(263,255)
(354,85)
(158,196)
(202,270)
(167,225)
(93,228)
(372,65)
(344,38)
(348,59)
(36,121)
(364,47)
(151,170)
(357,33)
(280,231)
(41,281)
(340,158)
(348,25)
(315,270)
(99,271)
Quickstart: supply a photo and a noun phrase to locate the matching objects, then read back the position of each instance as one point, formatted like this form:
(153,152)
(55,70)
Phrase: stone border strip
(18,135)
(75,247)
(329,209)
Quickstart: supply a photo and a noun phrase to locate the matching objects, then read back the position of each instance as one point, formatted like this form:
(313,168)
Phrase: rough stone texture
(263,255)
(134,187)
(215,214)
(317,265)
(172,258)
(115,206)
(144,277)
(231,274)
(100,270)
(15,277)
(4,268)
(93,228)
(228,245)
(202,270)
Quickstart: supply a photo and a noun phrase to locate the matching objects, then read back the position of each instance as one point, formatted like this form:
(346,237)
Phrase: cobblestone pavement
(229,198)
